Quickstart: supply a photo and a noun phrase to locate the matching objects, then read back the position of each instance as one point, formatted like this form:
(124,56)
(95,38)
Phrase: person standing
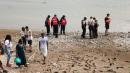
(30,40)
(47,24)
(91,27)
(84,23)
(20,53)
(43,46)
(95,27)
(107,23)
(8,46)
(22,33)
(63,23)
(26,34)
(1,53)
(54,24)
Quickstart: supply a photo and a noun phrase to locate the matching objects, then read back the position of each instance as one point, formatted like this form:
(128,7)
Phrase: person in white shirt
(30,40)
(8,46)
(43,46)
(91,27)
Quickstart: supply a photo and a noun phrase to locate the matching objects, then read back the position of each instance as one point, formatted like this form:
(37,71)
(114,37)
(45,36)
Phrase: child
(43,46)
(30,38)
(1,48)
(20,53)
(8,46)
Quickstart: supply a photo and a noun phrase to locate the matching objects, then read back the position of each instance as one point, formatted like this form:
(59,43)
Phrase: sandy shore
(72,54)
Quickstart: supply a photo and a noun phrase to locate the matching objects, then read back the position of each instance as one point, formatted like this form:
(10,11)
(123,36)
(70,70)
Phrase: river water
(17,13)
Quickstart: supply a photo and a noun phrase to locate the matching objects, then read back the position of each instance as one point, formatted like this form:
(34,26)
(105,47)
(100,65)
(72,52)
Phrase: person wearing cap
(107,20)
(84,23)
(63,23)
(47,24)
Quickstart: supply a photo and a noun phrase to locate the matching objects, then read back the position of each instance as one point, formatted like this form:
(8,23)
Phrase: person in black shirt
(63,23)
(47,24)
(84,23)
(107,23)
(95,27)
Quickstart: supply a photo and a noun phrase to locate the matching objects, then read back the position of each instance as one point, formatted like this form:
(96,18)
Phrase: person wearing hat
(84,23)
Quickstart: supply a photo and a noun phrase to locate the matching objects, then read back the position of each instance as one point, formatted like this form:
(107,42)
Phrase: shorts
(107,26)
(30,42)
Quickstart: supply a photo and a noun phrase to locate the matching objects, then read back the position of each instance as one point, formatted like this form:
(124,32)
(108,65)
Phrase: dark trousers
(55,30)
(91,31)
(95,32)
(84,32)
(62,29)
(24,40)
(48,30)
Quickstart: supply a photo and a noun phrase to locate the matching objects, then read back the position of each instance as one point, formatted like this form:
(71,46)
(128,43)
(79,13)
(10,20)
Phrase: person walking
(91,27)
(84,23)
(47,24)
(107,20)
(8,46)
(54,24)
(20,53)
(43,46)
(63,23)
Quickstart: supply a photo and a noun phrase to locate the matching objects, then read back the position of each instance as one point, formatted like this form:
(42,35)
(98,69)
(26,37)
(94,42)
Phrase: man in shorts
(107,23)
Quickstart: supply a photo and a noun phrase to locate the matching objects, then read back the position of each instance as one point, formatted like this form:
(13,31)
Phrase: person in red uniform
(47,24)
(63,23)
(107,23)
(54,24)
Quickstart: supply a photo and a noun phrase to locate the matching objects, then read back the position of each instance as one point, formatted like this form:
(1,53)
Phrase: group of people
(6,48)
(55,23)
(24,44)
(26,36)
(26,39)
(93,25)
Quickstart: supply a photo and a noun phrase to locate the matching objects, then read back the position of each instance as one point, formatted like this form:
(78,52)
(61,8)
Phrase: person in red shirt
(54,24)
(47,24)
(63,23)
(107,23)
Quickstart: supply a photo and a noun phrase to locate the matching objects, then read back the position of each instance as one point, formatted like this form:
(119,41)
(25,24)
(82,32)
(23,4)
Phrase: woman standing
(8,46)
(20,53)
